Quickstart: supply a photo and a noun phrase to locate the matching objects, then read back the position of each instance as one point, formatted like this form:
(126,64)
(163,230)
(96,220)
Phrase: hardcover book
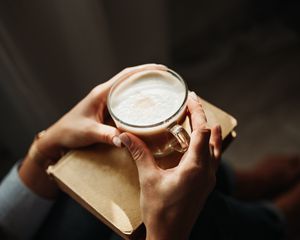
(104,179)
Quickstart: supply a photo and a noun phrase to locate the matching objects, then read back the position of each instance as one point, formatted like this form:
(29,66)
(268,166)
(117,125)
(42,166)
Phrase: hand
(172,199)
(82,126)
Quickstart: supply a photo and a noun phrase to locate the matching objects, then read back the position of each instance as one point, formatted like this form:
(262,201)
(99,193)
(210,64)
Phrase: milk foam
(147,98)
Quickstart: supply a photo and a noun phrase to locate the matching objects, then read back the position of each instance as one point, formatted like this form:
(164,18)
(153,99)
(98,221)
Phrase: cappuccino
(148,104)
(147,98)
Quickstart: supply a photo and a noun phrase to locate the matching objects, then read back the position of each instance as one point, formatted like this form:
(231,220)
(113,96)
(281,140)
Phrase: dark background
(242,56)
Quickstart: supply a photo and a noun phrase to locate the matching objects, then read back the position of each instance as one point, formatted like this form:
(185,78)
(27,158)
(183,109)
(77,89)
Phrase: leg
(225,218)
(68,220)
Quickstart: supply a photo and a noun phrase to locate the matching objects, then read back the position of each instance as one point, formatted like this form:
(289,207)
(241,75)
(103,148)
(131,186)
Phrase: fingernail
(117,141)
(125,139)
(194,96)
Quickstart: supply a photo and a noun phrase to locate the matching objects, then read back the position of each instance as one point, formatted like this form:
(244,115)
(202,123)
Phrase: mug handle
(182,137)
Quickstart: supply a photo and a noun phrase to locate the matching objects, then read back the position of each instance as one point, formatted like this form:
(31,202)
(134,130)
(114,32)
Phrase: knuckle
(96,91)
(127,70)
(137,152)
(201,137)
(202,132)
(106,138)
(197,174)
(193,170)
(196,134)
(205,130)
(115,132)
(89,131)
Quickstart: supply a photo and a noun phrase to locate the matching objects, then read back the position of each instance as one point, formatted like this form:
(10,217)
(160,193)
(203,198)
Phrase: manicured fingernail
(117,141)
(125,139)
(194,96)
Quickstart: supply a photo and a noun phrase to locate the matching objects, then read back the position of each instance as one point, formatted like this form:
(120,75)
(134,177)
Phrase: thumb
(139,152)
(106,134)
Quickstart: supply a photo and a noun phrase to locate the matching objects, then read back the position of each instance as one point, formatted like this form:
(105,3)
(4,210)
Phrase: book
(104,179)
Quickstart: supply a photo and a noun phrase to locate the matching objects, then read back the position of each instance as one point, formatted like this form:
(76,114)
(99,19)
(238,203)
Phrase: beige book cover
(104,179)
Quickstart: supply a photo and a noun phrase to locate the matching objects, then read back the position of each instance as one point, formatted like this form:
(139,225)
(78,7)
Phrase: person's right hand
(172,199)
(82,126)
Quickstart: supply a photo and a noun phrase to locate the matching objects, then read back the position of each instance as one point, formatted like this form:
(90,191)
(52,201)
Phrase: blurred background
(241,55)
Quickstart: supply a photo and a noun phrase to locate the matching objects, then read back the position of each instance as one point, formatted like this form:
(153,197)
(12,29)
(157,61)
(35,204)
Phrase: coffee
(146,104)
(147,98)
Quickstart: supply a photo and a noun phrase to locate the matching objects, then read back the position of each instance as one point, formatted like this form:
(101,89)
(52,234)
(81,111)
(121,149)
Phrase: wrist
(37,180)
(47,146)
(33,172)
(162,230)
(163,235)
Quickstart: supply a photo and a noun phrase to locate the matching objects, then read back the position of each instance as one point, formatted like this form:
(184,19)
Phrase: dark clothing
(223,218)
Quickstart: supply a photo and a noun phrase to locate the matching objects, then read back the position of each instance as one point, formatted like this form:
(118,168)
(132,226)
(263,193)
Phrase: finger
(200,144)
(100,92)
(106,134)
(148,66)
(199,150)
(130,71)
(139,152)
(216,143)
(198,118)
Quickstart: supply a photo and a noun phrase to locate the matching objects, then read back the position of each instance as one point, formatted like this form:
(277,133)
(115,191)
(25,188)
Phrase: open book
(104,179)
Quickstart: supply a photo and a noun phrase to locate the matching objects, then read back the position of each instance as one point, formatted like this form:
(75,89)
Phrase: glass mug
(152,104)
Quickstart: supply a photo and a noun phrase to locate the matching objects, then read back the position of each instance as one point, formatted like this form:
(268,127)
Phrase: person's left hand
(171,199)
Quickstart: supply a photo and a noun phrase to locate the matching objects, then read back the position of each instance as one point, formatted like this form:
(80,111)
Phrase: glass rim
(177,76)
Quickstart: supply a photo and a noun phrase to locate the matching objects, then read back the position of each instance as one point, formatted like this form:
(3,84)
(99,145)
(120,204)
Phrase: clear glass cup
(163,137)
